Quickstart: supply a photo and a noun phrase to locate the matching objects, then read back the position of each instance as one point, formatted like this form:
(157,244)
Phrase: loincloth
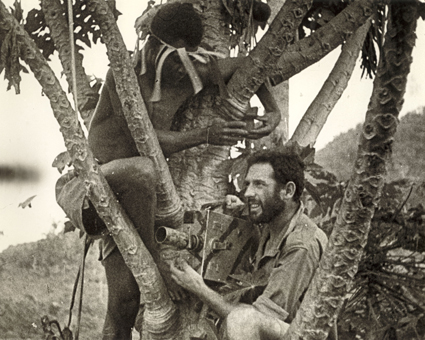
(71,195)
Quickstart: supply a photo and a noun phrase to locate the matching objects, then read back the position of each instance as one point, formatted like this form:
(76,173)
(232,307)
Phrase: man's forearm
(172,142)
(215,301)
(267,99)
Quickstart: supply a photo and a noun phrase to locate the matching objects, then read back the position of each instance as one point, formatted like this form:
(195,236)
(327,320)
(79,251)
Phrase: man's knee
(241,323)
(131,173)
(247,323)
(143,167)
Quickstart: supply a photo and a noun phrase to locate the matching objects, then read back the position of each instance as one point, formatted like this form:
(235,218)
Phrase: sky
(30,136)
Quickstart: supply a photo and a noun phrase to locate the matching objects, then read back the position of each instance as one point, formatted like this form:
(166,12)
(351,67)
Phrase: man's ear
(288,191)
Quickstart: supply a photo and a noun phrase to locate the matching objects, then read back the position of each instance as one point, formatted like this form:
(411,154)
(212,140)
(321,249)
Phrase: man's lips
(253,206)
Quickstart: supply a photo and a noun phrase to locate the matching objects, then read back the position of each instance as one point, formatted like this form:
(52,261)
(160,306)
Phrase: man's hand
(186,276)
(174,290)
(233,205)
(226,133)
(270,122)
(233,202)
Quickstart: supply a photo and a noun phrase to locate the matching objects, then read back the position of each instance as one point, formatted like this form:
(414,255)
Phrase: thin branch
(316,115)
(86,97)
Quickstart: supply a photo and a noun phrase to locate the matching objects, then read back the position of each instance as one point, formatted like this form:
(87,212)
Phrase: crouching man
(288,253)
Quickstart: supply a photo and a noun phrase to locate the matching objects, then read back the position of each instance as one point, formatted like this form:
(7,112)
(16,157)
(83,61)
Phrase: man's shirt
(287,264)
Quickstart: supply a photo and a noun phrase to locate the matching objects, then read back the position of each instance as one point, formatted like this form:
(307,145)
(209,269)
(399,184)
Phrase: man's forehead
(260,171)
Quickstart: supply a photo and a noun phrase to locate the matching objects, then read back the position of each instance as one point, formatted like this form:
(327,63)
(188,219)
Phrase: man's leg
(247,323)
(123,298)
(133,181)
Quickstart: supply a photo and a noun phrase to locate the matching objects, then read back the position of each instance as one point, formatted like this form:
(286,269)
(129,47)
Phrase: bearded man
(286,256)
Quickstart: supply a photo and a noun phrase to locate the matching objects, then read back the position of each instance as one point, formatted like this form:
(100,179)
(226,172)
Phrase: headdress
(144,29)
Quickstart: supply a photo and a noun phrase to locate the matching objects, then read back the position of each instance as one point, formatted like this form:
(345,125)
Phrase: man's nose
(249,192)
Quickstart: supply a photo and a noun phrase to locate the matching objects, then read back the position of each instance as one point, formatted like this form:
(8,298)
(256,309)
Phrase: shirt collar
(286,230)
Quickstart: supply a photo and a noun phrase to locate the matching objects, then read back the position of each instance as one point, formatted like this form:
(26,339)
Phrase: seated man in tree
(287,254)
(166,72)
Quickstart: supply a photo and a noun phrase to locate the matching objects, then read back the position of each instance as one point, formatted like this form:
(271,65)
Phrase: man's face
(262,193)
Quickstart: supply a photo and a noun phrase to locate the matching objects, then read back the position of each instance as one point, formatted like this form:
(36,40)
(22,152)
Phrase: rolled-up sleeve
(288,281)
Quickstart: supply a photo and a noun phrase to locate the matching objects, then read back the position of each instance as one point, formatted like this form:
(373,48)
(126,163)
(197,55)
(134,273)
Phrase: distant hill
(37,279)
(408,159)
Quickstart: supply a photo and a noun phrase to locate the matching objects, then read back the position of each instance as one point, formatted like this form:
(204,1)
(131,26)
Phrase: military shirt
(287,264)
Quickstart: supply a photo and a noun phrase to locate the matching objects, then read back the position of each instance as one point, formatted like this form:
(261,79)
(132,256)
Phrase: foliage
(407,159)
(321,12)
(389,288)
(9,54)
(85,29)
(387,298)
(245,18)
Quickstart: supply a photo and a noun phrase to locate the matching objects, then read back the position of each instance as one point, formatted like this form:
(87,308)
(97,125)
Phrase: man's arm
(226,67)
(271,117)
(190,280)
(225,133)
(288,282)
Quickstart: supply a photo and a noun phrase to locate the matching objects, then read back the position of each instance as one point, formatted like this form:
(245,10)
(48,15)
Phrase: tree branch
(169,210)
(308,51)
(87,97)
(262,61)
(317,113)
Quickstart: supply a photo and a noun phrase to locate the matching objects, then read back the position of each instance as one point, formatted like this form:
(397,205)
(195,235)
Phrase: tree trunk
(160,315)
(201,173)
(86,97)
(315,117)
(338,266)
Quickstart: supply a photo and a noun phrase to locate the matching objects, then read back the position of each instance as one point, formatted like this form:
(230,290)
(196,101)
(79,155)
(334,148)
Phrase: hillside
(408,160)
(37,279)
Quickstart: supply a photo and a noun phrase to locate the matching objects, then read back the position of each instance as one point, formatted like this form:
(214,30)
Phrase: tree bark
(86,97)
(169,209)
(161,317)
(201,173)
(262,60)
(309,50)
(317,113)
(338,266)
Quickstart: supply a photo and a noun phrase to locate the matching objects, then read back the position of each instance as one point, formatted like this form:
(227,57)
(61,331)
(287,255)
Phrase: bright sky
(29,134)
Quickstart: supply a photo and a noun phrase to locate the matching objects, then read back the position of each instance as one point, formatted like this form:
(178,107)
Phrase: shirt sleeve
(288,281)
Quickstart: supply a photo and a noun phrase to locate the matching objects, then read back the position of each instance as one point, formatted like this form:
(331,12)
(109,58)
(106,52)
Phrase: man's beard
(271,208)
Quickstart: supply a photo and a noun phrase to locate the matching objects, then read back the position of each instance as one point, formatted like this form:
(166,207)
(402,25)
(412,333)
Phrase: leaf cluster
(9,52)
(85,28)
(323,11)
(245,17)
(388,294)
